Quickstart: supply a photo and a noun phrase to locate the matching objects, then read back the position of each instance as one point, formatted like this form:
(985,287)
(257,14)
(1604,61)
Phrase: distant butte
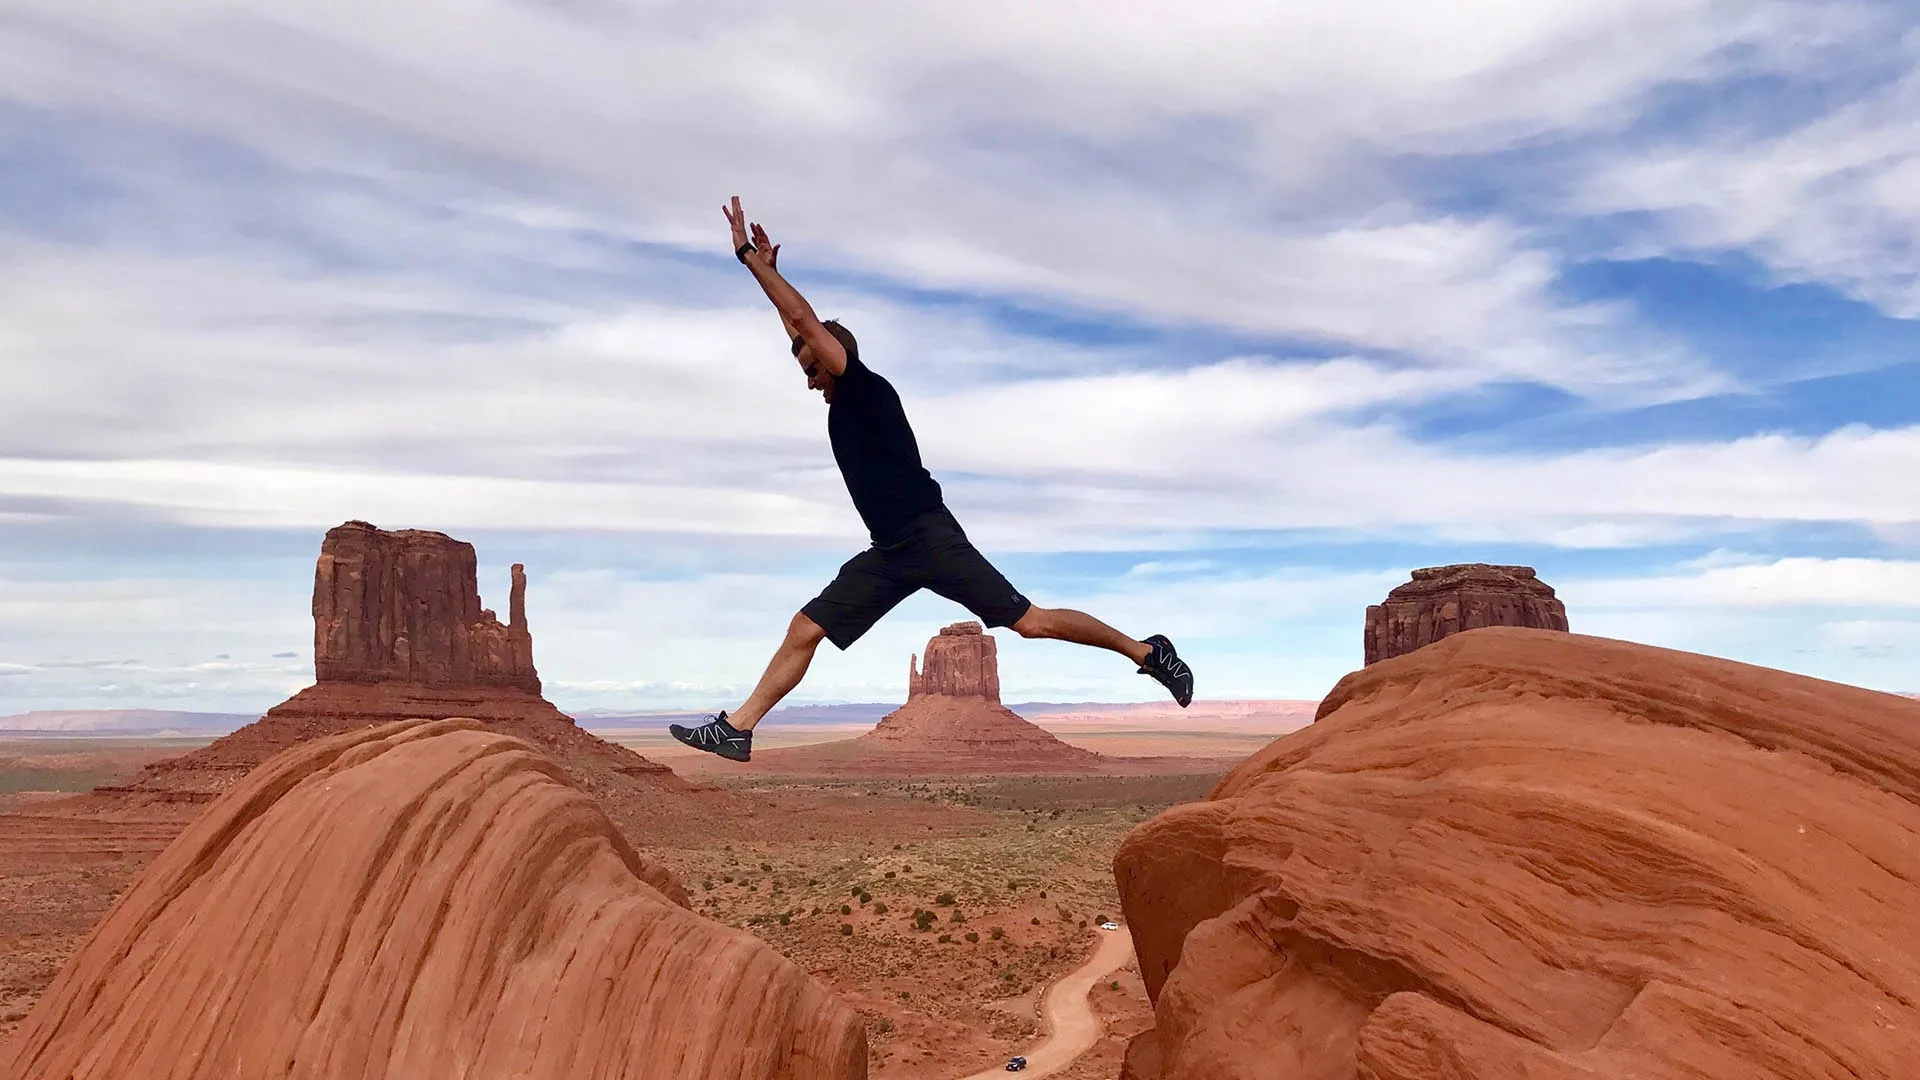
(1443,600)
(952,724)
(399,633)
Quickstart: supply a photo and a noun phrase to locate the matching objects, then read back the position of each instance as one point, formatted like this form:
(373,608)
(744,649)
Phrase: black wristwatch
(741,252)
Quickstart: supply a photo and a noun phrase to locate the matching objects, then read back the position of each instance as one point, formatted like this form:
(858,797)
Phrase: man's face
(817,376)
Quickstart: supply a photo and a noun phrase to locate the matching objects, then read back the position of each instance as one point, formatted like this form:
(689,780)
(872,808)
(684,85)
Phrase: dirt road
(1072,1027)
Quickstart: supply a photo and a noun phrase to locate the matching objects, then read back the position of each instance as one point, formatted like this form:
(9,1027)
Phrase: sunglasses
(811,369)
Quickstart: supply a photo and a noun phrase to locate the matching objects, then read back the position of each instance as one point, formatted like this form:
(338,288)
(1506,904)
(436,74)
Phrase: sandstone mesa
(399,633)
(1442,600)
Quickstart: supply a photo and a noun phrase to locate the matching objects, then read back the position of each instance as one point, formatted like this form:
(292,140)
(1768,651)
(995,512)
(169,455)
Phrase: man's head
(818,377)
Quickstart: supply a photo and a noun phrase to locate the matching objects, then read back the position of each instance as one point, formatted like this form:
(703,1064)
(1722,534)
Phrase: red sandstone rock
(1521,854)
(399,634)
(1442,600)
(961,662)
(405,607)
(952,724)
(417,900)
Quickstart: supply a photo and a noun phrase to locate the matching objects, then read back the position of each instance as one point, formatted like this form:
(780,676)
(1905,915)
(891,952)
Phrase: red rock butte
(399,633)
(1519,853)
(1443,600)
(417,899)
(952,724)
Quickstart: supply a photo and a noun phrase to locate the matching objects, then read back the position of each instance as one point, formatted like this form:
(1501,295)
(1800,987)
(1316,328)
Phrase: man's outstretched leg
(732,736)
(1155,655)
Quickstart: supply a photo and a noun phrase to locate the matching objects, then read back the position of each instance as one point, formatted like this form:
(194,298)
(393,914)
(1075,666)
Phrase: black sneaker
(716,736)
(1168,669)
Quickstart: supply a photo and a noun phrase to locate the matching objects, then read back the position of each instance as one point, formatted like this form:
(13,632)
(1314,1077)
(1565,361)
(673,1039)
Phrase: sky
(1213,320)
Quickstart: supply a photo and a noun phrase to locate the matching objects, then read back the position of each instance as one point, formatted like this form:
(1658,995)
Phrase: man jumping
(917,544)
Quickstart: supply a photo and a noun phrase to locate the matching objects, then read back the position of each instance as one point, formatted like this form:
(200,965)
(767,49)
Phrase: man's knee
(804,631)
(1033,624)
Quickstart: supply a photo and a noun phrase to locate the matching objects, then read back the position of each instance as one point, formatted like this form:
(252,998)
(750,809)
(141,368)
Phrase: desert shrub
(882,1024)
(945,899)
(1043,894)
(1007,974)
(907,869)
(996,933)
(973,938)
(923,920)
(812,881)
(1036,920)
(846,909)
(815,911)
(856,891)
(786,917)
(707,884)
(1114,985)
(846,929)
(946,939)
(766,868)
(865,898)
(880,908)
(959,916)
(728,879)
(889,874)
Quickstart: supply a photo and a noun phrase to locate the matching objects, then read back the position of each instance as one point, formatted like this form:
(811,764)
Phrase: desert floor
(1013,883)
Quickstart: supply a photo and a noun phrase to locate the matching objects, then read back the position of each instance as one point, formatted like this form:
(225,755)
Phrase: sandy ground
(1073,1027)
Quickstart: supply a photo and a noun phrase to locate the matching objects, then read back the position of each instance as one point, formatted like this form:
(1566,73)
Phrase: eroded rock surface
(421,899)
(405,607)
(1520,853)
(961,662)
(1442,600)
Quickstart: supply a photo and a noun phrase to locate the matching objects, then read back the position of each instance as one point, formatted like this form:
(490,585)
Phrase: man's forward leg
(1066,624)
(1155,656)
(784,672)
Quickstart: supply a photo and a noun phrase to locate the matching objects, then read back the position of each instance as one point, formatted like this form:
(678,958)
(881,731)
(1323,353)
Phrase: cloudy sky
(1213,320)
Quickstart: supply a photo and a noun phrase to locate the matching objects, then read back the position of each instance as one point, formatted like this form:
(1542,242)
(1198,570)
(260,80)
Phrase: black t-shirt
(877,454)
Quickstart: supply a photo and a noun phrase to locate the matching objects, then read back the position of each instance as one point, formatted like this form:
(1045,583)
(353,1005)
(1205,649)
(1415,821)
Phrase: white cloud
(1777,583)
(1835,200)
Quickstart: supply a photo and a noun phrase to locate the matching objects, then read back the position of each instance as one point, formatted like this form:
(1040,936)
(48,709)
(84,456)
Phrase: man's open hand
(768,248)
(737,218)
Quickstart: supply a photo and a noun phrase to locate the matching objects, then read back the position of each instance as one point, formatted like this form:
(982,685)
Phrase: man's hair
(844,336)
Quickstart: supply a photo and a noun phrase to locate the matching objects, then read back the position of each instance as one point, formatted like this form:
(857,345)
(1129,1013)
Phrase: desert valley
(1498,849)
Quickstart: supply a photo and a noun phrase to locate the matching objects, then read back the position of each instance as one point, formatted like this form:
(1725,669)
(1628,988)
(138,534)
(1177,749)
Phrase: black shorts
(934,553)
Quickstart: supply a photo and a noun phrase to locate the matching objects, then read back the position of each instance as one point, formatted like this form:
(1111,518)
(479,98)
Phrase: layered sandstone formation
(421,899)
(961,663)
(1519,853)
(404,607)
(399,633)
(952,724)
(1442,600)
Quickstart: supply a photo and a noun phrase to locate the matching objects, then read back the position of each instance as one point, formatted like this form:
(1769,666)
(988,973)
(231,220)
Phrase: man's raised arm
(793,308)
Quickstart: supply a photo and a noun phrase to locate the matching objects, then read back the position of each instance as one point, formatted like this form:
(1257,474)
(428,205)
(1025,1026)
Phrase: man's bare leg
(784,672)
(1066,624)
